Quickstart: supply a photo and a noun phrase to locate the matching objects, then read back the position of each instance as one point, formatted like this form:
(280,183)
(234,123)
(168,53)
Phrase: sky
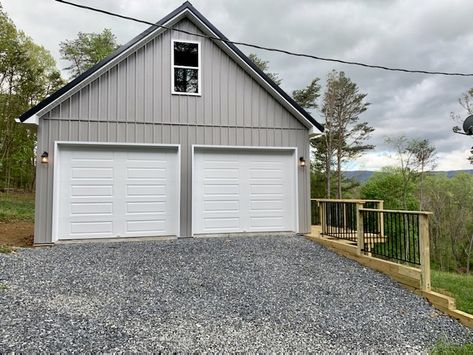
(431,35)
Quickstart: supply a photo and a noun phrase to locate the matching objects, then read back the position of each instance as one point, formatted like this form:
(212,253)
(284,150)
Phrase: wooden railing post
(360,236)
(424,244)
(322,216)
(381,219)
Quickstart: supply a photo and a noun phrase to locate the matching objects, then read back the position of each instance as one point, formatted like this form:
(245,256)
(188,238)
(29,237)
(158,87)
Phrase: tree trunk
(339,175)
(327,177)
(468,254)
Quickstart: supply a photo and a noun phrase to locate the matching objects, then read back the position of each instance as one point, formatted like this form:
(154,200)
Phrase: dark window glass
(186,80)
(186,54)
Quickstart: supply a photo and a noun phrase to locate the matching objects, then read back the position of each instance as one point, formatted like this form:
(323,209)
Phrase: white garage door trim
(56,161)
(246,148)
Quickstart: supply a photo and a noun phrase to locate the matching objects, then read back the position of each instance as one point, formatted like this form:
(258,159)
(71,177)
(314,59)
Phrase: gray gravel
(231,294)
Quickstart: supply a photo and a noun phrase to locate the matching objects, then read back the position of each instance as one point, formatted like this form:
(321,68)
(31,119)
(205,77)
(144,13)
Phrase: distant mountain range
(363,175)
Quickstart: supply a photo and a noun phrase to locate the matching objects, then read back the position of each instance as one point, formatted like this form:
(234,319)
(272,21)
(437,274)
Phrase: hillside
(363,175)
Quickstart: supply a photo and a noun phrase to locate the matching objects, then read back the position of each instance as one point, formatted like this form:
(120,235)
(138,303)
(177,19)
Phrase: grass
(442,348)
(3,286)
(16,207)
(5,249)
(456,285)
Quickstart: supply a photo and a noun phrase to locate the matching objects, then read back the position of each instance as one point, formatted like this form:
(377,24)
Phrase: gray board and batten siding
(132,103)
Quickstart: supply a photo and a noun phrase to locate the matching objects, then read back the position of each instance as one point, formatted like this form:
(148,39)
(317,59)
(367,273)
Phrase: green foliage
(87,49)
(307,97)
(263,65)
(388,185)
(459,286)
(444,348)
(414,156)
(5,249)
(3,286)
(451,225)
(27,74)
(16,208)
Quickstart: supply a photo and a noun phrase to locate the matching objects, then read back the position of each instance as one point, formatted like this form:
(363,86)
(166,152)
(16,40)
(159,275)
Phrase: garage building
(172,135)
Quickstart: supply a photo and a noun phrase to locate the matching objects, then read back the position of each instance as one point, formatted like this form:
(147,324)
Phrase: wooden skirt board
(116,191)
(241,191)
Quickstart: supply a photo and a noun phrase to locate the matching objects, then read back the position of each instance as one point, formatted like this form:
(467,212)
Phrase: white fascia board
(314,132)
(31,120)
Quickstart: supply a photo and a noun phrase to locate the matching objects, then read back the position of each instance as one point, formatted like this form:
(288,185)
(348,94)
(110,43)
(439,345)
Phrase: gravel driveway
(236,294)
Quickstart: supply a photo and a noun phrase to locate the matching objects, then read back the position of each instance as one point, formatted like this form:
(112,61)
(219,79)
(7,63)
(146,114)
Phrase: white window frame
(199,69)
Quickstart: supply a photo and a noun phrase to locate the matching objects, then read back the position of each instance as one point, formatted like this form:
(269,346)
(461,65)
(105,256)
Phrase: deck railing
(338,218)
(400,236)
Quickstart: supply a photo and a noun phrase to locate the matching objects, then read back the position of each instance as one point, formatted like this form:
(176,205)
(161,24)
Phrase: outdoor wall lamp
(302,162)
(44,158)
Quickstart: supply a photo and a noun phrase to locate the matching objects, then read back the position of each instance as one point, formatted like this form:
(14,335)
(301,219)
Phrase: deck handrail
(343,200)
(396,211)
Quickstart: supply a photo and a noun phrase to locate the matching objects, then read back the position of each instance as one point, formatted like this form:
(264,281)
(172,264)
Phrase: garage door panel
(221,205)
(117,191)
(86,190)
(92,172)
(230,173)
(266,205)
(81,208)
(222,224)
(243,191)
(267,223)
(92,228)
(273,174)
(146,207)
(146,227)
(147,173)
(148,190)
(221,189)
(269,188)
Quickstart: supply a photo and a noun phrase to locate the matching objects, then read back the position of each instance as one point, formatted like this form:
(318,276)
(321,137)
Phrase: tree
(345,136)
(425,156)
(28,73)
(388,185)
(263,65)
(87,49)
(414,156)
(307,97)
(450,200)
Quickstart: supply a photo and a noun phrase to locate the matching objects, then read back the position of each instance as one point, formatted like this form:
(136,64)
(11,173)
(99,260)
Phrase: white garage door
(108,192)
(244,191)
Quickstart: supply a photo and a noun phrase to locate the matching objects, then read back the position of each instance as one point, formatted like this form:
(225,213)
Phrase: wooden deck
(369,238)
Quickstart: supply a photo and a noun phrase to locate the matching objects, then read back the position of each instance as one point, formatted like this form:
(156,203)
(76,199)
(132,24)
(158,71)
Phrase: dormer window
(186,67)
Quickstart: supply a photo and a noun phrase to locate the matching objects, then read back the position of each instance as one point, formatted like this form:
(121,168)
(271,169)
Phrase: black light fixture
(44,158)
(302,162)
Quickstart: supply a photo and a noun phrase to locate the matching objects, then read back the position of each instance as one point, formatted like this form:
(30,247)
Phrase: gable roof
(185,9)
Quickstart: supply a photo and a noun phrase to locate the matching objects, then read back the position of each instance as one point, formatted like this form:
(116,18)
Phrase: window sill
(185,93)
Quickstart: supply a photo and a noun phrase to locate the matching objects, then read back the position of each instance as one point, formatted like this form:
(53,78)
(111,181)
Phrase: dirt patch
(17,234)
